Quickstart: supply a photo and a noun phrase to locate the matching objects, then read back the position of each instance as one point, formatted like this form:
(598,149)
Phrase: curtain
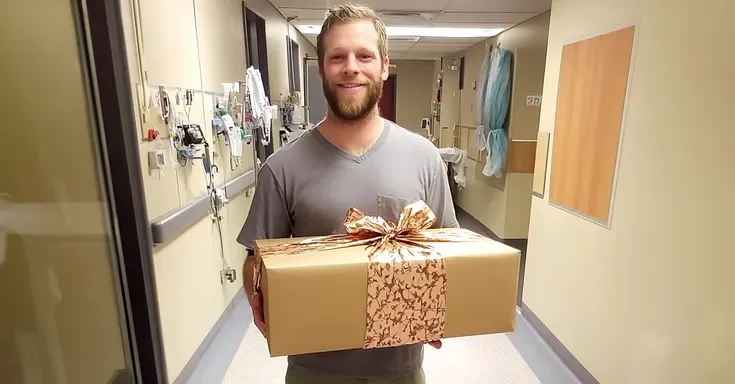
(498,100)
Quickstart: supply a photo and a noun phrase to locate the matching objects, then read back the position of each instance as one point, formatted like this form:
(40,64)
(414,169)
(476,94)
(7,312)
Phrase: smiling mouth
(350,85)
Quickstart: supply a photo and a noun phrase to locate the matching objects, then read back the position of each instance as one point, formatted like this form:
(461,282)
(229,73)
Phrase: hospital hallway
(164,159)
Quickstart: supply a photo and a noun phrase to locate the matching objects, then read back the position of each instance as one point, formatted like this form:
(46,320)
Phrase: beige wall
(191,296)
(501,204)
(649,300)
(414,84)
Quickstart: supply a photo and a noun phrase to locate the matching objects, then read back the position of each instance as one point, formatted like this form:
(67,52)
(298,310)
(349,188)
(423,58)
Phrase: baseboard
(210,361)
(559,349)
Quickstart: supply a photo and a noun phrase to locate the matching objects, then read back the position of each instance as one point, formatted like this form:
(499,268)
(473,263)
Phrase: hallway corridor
(154,164)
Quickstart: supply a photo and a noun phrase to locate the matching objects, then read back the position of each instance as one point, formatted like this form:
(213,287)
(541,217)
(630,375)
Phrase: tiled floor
(469,360)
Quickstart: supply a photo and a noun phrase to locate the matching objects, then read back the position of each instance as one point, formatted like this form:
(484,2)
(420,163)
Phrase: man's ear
(386,68)
(320,66)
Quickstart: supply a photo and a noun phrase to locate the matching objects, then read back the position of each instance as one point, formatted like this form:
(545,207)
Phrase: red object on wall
(152,134)
(387,104)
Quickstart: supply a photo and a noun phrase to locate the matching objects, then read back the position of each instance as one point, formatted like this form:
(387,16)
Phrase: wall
(414,84)
(650,299)
(501,204)
(197,46)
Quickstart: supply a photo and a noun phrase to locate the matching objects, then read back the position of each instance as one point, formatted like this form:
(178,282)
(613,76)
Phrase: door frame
(308,62)
(304,78)
(256,49)
(104,57)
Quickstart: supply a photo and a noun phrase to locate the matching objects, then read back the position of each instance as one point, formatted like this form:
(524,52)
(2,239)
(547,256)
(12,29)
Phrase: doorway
(314,97)
(387,103)
(257,56)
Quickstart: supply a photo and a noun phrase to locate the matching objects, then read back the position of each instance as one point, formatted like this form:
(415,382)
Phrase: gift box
(384,284)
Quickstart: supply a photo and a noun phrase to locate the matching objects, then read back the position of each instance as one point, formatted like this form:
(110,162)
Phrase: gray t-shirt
(306,188)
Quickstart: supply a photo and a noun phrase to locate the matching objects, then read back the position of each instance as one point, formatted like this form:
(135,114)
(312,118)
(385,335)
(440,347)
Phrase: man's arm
(268,218)
(439,195)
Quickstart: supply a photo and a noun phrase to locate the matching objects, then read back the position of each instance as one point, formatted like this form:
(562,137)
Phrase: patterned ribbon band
(406,282)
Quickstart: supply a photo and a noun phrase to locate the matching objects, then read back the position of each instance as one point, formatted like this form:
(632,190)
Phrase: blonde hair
(347,13)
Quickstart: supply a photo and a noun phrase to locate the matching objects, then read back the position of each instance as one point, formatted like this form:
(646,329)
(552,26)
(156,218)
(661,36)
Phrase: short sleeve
(268,217)
(439,195)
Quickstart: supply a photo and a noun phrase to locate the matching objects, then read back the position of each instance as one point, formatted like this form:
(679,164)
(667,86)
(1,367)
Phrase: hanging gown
(259,104)
(499,102)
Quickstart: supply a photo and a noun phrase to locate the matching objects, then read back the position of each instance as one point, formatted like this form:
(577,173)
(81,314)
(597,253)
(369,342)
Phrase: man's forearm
(247,274)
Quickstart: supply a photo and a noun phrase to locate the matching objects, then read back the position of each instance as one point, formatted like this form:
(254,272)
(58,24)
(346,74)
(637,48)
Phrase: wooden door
(387,104)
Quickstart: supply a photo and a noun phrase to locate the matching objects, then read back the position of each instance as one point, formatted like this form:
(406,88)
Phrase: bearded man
(352,159)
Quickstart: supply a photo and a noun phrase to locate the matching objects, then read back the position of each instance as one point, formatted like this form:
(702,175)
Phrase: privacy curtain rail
(492,102)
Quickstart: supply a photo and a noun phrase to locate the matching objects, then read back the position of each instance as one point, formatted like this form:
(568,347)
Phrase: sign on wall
(534,101)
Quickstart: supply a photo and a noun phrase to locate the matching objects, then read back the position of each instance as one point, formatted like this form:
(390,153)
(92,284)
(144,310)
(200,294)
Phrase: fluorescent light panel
(421,31)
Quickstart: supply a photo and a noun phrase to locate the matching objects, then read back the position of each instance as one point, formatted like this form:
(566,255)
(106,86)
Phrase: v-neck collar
(357,159)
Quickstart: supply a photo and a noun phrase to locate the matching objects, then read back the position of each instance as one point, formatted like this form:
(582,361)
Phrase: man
(354,158)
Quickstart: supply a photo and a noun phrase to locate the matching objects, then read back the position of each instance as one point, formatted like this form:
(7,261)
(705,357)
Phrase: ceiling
(486,18)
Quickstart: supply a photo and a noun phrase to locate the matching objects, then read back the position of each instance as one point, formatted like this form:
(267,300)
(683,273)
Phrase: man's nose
(351,67)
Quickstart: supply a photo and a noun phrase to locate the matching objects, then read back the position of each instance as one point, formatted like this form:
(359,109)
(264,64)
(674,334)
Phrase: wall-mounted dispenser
(156,161)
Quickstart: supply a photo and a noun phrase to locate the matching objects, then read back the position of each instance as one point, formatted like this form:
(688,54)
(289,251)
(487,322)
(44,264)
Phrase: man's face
(352,71)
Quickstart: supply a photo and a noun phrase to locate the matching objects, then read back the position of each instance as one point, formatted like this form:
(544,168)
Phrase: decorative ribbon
(406,283)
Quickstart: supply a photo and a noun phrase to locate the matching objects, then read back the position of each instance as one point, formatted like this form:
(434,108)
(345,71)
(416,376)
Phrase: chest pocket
(390,207)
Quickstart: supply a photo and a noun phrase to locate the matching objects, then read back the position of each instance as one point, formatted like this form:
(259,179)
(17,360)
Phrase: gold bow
(406,276)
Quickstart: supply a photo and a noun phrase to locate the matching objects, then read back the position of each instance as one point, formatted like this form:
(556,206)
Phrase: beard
(352,107)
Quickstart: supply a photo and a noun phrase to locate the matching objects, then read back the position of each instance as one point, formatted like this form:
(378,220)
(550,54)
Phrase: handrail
(173,223)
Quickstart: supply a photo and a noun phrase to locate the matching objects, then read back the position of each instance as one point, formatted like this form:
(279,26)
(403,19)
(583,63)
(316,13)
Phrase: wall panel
(593,82)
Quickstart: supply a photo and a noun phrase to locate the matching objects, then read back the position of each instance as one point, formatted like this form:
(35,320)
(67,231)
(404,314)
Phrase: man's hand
(256,304)
(436,344)
(256,298)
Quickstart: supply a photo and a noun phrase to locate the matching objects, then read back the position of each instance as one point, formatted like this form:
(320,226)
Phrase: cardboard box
(318,300)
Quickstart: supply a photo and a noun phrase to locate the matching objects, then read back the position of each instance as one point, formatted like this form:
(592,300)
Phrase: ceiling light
(442,32)
(309,29)
(421,31)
